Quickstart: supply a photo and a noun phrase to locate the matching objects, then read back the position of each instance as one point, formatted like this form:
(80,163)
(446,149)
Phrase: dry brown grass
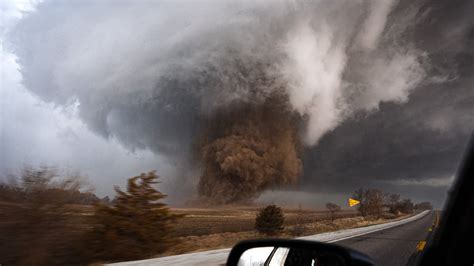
(207,229)
(201,221)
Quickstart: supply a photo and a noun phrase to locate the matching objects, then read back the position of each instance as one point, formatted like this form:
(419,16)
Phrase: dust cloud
(247,149)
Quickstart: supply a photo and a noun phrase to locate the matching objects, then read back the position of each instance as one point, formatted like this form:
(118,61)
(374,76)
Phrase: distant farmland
(204,221)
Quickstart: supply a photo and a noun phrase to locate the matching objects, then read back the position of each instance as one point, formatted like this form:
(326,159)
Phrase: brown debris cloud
(247,149)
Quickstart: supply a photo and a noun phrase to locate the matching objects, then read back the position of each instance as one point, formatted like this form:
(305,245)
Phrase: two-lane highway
(393,246)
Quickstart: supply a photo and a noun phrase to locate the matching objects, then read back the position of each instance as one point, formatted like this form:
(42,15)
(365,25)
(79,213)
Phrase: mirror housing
(337,255)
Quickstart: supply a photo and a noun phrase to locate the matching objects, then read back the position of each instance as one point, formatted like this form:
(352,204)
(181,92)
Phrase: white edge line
(376,230)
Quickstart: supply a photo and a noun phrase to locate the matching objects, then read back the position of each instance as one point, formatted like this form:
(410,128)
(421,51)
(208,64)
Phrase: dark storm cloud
(382,87)
(421,140)
(147,73)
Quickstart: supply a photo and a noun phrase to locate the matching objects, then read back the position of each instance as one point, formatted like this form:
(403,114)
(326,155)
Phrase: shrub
(270,220)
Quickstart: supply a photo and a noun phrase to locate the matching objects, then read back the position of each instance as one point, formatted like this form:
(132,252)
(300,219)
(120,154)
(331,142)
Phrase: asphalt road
(392,246)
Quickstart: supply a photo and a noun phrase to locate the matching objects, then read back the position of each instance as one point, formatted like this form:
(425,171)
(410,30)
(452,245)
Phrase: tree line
(374,203)
(47,180)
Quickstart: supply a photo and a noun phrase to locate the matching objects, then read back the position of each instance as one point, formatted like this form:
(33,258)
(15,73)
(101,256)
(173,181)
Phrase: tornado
(247,149)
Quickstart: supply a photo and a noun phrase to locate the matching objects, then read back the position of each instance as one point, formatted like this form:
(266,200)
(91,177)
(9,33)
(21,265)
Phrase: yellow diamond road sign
(353,202)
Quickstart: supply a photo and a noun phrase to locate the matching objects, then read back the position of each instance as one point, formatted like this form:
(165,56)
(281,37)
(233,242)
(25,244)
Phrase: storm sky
(383,89)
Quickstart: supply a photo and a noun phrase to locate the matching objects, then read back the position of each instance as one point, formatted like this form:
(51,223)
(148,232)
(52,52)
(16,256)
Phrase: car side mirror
(285,252)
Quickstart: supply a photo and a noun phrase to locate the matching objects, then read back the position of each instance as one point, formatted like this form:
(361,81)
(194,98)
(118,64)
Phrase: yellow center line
(421,245)
(437,219)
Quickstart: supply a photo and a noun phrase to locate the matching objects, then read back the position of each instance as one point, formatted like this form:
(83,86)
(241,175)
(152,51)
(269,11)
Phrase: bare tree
(371,201)
(360,195)
(332,208)
(406,206)
(375,201)
(393,203)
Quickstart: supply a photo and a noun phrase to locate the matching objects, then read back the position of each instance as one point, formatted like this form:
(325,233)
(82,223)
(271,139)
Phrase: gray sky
(34,132)
(113,90)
